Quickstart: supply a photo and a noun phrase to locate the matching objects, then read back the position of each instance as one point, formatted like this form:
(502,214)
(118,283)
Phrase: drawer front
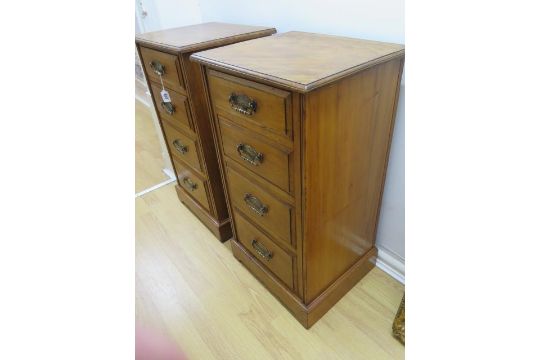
(258,156)
(257,106)
(190,182)
(178,110)
(168,65)
(259,245)
(259,206)
(181,146)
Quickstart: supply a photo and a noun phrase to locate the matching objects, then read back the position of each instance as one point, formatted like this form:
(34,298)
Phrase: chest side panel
(347,134)
(195,85)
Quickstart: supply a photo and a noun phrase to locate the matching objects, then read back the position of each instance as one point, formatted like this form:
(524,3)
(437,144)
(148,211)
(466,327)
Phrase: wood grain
(347,136)
(195,292)
(271,114)
(184,81)
(341,123)
(199,106)
(277,220)
(190,152)
(181,116)
(274,165)
(172,77)
(280,263)
(202,36)
(298,60)
(220,229)
(192,184)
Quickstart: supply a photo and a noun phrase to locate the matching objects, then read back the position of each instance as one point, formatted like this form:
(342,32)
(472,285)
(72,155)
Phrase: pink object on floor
(152,345)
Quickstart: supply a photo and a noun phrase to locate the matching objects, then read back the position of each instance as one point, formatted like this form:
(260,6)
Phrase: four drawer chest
(303,124)
(176,85)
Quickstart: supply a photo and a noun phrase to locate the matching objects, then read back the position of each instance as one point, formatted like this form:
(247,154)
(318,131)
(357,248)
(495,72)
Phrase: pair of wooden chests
(280,143)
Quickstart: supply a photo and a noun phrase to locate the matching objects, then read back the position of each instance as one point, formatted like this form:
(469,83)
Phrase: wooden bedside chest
(303,125)
(184,115)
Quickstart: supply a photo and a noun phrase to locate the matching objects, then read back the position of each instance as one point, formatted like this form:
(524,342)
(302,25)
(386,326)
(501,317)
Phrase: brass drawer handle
(243,104)
(157,67)
(189,183)
(168,107)
(255,204)
(249,154)
(261,250)
(181,148)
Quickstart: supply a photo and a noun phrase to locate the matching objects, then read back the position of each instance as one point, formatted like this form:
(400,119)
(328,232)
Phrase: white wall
(381,20)
(165,14)
(369,19)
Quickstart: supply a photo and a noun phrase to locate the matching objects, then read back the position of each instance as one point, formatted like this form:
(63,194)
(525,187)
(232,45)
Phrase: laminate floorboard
(149,162)
(191,289)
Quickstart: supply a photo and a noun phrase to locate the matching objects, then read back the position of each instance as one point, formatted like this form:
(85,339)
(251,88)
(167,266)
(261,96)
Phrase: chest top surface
(200,36)
(298,60)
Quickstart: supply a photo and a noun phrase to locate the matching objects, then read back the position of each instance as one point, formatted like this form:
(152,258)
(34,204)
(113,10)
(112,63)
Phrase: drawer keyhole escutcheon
(181,148)
(168,107)
(189,183)
(243,103)
(261,250)
(255,205)
(249,154)
(157,67)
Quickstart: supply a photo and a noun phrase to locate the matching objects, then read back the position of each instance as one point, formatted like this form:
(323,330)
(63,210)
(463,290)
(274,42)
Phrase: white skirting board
(143,101)
(169,173)
(391,263)
(155,187)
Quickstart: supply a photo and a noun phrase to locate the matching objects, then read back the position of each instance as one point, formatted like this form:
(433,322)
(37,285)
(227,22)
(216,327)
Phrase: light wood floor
(149,162)
(190,288)
(141,91)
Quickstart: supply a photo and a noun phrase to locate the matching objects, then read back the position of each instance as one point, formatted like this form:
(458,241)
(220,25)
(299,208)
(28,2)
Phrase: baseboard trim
(169,173)
(391,264)
(144,101)
(155,187)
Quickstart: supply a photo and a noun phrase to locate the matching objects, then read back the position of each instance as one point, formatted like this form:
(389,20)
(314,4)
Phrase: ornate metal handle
(261,250)
(255,204)
(181,148)
(157,67)
(168,107)
(243,104)
(249,154)
(189,183)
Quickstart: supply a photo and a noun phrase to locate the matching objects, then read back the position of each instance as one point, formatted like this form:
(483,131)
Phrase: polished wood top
(202,36)
(298,60)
